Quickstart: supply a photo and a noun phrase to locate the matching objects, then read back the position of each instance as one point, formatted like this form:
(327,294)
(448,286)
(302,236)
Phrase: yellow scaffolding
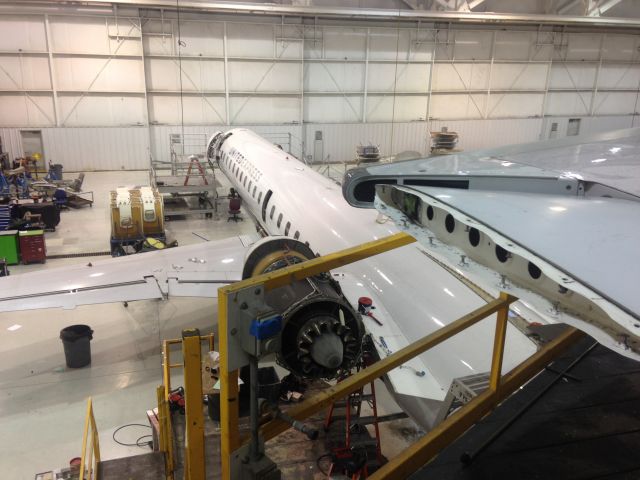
(90,453)
(194,419)
(426,448)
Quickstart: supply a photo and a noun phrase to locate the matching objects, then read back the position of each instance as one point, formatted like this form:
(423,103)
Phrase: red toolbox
(32,248)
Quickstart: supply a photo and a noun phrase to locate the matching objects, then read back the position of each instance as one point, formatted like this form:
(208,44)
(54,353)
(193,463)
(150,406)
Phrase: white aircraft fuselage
(413,295)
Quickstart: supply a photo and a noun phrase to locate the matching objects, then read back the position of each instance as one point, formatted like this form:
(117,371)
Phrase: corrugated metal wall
(11,142)
(86,149)
(112,148)
(116,148)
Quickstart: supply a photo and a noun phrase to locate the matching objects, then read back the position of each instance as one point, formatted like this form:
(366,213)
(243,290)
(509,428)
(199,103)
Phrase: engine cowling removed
(322,334)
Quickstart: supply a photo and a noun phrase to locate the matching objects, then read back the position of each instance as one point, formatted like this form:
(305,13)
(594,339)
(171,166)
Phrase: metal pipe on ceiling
(351,13)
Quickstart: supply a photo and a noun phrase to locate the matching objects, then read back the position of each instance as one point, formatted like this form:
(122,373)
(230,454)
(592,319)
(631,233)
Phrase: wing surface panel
(194,270)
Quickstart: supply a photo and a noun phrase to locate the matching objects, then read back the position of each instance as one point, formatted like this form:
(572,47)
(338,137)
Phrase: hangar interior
(124,94)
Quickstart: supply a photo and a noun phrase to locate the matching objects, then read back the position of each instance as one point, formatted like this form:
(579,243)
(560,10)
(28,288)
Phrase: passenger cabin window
(279,220)
(273,209)
(296,235)
(286,229)
(267,197)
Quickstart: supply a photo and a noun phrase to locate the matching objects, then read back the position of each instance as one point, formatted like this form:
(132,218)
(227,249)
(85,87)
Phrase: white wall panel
(200,38)
(400,108)
(84,149)
(458,106)
(512,45)
(392,44)
(578,46)
(197,75)
(94,35)
(34,109)
(620,47)
(568,103)
(321,109)
(519,76)
(264,76)
(244,110)
(345,43)
(250,40)
(619,76)
(105,74)
(473,45)
(410,77)
(22,32)
(460,76)
(197,109)
(571,75)
(24,73)
(612,103)
(528,104)
(334,77)
(97,110)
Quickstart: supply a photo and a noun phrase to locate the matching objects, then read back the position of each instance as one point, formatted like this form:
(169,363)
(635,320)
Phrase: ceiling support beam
(468,6)
(601,7)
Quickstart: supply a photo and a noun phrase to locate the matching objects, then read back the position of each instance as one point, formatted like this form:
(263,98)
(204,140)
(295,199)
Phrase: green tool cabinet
(9,246)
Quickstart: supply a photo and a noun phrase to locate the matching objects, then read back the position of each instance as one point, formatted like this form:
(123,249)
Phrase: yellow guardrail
(165,434)
(91,452)
(426,448)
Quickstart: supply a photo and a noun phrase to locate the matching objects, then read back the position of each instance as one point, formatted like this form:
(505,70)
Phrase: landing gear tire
(273,253)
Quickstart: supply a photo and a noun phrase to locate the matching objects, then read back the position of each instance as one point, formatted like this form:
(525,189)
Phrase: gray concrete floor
(43,403)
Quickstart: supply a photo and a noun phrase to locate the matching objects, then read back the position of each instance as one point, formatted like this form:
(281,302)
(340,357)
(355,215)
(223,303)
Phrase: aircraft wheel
(273,253)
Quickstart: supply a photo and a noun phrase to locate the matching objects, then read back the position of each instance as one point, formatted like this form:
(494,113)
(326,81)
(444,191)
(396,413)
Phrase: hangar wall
(98,84)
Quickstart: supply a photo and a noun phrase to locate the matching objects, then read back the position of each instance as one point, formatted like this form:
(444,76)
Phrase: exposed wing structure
(555,223)
(191,271)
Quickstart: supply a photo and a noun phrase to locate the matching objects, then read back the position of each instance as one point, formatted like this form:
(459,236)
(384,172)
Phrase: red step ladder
(195,162)
(354,420)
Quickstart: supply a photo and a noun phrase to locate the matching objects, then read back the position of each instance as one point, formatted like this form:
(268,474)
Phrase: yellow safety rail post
(165,436)
(163,397)
(91,454)
(193,416)
(425,449)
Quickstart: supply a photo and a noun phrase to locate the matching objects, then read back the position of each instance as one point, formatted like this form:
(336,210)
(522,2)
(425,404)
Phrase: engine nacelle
(321,333)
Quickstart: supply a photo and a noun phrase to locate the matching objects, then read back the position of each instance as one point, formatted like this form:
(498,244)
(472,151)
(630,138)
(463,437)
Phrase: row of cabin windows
(287,227)
(243,179)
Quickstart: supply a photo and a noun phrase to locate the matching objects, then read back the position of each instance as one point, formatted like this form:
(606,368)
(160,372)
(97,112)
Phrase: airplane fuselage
(289,198)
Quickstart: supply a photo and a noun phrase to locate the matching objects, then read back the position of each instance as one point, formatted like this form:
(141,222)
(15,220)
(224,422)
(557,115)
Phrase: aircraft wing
(554,223)
(190,271)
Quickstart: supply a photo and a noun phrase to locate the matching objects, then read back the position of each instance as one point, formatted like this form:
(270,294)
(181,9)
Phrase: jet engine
(321,333)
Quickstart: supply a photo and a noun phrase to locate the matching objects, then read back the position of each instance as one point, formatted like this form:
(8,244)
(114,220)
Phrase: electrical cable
(137,443)
(180,45)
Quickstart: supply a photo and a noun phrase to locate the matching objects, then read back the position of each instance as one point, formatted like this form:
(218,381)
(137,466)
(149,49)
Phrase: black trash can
(77,349)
